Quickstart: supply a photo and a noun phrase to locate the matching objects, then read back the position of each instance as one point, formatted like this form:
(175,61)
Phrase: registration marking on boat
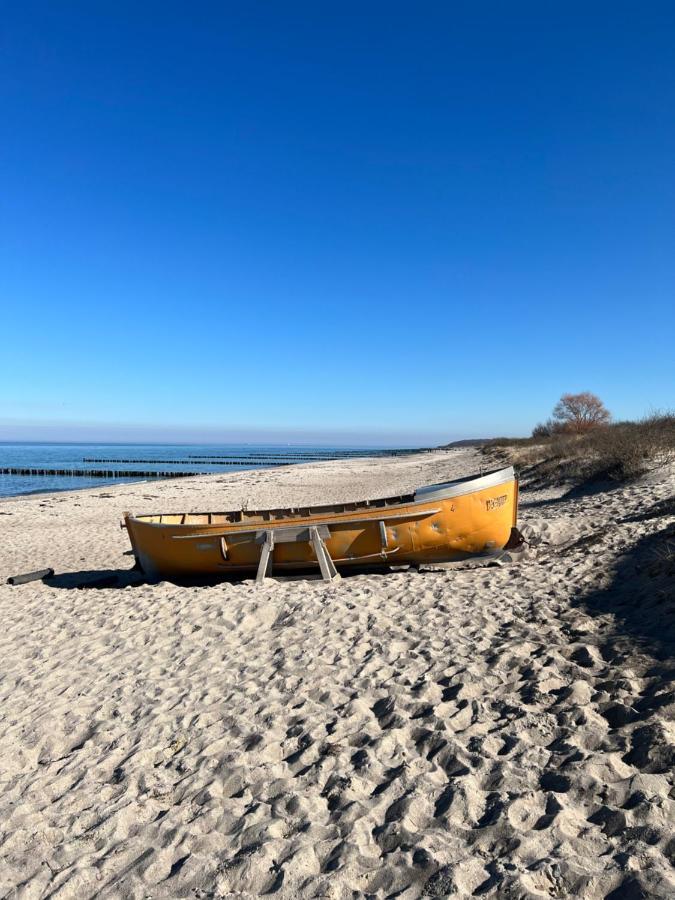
(496,502)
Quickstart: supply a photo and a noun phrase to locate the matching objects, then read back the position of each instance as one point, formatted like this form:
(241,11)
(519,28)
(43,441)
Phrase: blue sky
(385,222)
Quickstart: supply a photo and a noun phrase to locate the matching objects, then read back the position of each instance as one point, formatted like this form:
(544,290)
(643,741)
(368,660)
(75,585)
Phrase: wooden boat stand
(314,534)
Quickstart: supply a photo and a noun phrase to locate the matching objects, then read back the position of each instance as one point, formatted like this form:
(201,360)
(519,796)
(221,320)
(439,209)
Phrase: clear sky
(382,221)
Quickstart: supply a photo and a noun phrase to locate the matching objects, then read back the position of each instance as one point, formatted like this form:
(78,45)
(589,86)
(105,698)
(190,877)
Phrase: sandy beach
(506,731)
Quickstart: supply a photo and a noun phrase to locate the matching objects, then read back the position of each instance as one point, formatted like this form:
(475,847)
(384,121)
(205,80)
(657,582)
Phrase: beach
(503,731)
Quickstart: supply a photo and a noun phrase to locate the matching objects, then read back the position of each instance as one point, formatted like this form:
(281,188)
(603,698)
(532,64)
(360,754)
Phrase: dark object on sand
(31,576)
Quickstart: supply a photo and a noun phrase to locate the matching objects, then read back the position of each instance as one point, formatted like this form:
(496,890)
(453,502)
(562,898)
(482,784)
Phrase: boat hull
(439,523)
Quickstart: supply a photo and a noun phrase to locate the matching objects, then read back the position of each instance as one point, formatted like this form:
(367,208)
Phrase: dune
(506,731)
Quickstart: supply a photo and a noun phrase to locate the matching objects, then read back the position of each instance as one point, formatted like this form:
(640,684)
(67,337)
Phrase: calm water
(117,458)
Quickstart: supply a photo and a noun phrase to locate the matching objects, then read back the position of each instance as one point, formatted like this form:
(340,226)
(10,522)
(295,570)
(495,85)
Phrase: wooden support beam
(326,564)
(265,564)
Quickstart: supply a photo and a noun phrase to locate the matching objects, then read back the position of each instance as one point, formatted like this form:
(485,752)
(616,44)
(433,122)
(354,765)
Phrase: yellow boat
(439,523)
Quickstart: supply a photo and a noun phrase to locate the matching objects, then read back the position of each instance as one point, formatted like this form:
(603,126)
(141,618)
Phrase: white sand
(503,732)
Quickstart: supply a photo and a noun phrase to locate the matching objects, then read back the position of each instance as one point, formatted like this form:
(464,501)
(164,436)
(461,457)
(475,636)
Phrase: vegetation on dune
(581,443)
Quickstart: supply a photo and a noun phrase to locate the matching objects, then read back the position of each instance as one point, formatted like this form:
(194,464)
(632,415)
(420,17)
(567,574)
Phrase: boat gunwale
(421,496)
(447,489)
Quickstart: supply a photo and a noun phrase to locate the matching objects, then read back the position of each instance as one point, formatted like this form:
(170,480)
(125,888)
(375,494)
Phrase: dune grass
(619,452)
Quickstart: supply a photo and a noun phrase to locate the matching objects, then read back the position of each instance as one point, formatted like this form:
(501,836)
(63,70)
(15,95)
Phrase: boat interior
(261,517)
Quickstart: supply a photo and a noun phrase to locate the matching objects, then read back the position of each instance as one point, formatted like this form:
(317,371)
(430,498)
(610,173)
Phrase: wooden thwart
(360,520)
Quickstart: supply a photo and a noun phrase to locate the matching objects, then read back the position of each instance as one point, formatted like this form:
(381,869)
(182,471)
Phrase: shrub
(541,431)
(620,451)
(550,428)
(629,449)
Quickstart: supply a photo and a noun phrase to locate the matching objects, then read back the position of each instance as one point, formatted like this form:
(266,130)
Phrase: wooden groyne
(314,456)
(300,456)
(97,473)
(258,459)
(210,461)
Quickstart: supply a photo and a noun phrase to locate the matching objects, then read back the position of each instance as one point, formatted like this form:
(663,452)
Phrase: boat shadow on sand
(111,579)
(96,579)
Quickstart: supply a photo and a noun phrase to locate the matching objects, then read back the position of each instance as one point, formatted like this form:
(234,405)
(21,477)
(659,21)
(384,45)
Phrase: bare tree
(578,413)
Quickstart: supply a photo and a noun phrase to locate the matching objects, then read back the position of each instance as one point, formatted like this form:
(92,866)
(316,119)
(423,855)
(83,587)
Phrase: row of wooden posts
(262,459)
(228,461)
(98,473)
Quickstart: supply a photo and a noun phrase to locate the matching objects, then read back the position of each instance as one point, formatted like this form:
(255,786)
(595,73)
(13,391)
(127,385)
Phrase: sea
(68,466)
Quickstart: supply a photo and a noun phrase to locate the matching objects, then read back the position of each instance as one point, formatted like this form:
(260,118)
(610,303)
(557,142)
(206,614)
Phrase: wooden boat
(441,522)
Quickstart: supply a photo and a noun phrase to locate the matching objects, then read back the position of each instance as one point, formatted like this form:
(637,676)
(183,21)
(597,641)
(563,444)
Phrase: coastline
(44,467)
(506,730)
